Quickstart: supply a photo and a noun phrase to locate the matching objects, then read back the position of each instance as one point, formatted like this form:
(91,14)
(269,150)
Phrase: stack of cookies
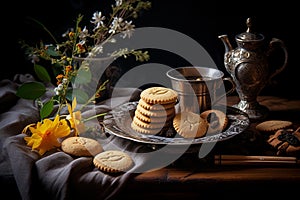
(155,110)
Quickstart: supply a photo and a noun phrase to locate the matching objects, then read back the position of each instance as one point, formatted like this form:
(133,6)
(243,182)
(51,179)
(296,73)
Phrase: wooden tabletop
(192,178)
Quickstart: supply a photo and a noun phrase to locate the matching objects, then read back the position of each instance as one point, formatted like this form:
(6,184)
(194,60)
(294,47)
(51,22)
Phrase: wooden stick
(241,159)
(260,158)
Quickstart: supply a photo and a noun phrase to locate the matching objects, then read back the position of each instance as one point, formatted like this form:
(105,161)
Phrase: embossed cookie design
(159,95)
(113,161)
(190,125)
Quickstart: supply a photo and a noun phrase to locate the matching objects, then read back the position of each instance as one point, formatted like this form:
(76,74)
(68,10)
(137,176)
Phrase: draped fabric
(57,175)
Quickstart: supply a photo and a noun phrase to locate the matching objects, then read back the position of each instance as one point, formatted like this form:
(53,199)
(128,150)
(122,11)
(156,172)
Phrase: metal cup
(198,88)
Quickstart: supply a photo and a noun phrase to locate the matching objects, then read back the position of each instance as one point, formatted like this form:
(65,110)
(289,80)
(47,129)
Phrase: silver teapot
(249,66)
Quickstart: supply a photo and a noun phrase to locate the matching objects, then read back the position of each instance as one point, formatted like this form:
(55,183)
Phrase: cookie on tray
(159,95)
(156,113)
(155,110)
(145,130)
(146,125)
(152,119)
(153,107)
(190,125)
(81,146)
(217,120)
(113,161)
(273,125)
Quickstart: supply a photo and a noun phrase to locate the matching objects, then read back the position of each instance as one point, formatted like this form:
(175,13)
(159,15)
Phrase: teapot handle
(283,47)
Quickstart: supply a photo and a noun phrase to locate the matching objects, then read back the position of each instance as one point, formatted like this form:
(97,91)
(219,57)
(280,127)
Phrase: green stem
(102,87)
(44,27)
(79,19)
(93,117)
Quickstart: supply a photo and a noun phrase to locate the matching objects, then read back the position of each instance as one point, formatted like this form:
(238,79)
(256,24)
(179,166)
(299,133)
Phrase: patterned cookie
(155,113)
(189,125)
(217,120)
(151,119)
(150,106)
(113,161)
(146,125)
(159,95)
(143,130)
(273,125)
(81,146)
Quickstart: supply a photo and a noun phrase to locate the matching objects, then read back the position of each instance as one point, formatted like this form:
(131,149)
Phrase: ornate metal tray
(117,122)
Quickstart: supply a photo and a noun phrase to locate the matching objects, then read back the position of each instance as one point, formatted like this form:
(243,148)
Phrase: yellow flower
(45,134)
(25,130)
(75,118)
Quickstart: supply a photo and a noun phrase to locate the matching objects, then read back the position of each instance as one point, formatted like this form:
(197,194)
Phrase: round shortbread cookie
(155,113)
(113,161)
(159,95)
(273,125)
(142,130)
(217,120)
(143,124)
(189,125)
(150,106)
(81,146)
(151,119)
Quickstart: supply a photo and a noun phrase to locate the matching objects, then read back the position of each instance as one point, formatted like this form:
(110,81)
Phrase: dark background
(202,21)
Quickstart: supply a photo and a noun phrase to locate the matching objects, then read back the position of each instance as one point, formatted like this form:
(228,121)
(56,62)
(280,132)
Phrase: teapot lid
(249,35)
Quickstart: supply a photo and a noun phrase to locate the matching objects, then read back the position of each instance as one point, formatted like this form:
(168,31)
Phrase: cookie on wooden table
(113,161)
(189,124)
(273,125)
(81,146)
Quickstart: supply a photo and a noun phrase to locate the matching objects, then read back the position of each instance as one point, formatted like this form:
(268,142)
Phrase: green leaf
(83,75)
(57,69)
(51,51)
(31,90)
(80,95)
(47,109)
(42,73)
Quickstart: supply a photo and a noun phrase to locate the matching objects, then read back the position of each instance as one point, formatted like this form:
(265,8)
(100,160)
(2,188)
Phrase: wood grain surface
(250,166)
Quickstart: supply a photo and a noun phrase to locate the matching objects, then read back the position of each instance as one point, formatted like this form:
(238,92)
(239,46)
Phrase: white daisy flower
(98,19)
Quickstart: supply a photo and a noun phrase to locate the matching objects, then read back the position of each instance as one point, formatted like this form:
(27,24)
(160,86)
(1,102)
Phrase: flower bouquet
(70,63)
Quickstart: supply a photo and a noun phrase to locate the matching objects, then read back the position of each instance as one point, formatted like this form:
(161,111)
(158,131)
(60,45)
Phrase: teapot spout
(226,42)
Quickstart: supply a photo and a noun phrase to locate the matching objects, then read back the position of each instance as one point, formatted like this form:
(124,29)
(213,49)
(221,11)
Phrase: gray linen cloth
(57,175)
